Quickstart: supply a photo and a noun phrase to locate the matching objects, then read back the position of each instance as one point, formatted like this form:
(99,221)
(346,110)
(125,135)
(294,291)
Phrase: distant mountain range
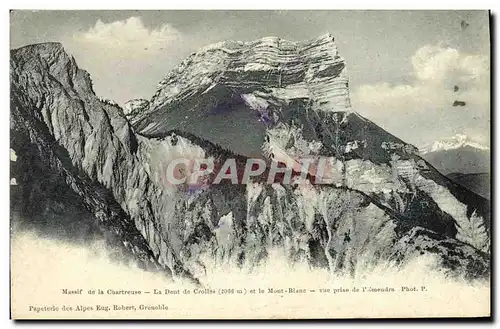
(463,160)
(452,143)
(458,154)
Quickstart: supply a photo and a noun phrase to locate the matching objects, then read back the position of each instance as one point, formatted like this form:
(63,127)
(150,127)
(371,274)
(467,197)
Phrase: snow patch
(452,143)
(254,102)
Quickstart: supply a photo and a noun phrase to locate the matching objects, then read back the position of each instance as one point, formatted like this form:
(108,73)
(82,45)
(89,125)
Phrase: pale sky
(403,65)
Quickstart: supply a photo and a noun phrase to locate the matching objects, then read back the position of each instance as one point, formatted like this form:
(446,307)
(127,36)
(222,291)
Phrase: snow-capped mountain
(458,154)
(453,143)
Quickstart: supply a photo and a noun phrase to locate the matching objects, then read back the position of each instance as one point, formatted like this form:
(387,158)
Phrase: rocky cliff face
(135,107)
(292,99)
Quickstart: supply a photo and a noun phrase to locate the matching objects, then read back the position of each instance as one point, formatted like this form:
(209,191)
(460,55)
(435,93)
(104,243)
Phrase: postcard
(191,164)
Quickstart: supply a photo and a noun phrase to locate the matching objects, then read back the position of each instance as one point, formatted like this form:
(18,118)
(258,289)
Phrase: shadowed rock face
(236,87)
(380,194)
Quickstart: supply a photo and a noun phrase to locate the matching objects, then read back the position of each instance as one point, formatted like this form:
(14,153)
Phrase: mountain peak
(134,105)
(327,37)
(49,53)
(45,48)
(452,143)
(42,45)
(253,83)
(52,58)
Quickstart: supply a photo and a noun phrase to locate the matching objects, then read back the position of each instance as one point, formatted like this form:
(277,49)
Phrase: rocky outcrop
(135,106)
(311,70)
(61,128)
(379,195)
